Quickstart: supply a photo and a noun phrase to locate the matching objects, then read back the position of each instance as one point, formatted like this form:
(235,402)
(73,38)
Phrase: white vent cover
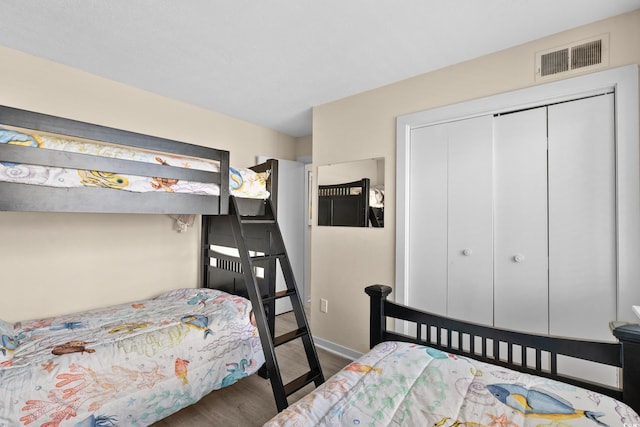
(573,58)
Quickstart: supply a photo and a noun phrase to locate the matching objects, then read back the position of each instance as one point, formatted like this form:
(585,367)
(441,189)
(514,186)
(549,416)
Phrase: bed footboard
(510,349)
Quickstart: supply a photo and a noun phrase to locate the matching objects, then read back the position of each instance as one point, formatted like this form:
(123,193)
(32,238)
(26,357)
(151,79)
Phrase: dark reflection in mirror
(351,194)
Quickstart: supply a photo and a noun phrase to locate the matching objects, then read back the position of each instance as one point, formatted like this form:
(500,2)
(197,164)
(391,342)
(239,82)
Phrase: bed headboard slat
(609,353)
(47,123)
(31,198)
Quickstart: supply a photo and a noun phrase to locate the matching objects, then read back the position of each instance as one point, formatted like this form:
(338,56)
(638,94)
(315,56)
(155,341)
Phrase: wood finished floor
(249,402)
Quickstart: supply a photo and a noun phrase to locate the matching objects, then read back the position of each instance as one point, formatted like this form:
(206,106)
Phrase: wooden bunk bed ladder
(249,260)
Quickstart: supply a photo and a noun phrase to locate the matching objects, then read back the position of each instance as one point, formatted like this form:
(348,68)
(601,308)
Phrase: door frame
(624,82)
(295,212)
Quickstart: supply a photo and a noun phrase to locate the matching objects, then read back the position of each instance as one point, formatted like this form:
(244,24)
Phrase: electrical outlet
(324,305)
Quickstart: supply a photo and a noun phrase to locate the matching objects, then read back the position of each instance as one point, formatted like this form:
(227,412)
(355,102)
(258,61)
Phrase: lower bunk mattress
(404,384)
(126,365)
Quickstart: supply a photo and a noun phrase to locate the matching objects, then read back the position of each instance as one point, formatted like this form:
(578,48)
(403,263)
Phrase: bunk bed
(353,204)
(451,373)
(138,362)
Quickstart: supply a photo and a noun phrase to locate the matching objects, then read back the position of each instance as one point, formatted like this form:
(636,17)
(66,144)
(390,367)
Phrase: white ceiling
(270,61)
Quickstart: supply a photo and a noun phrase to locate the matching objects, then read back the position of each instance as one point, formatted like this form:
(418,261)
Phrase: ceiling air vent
(586,54)
(554,62)
(573,58)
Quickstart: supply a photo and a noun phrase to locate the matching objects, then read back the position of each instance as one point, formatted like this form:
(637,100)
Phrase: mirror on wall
(351,194)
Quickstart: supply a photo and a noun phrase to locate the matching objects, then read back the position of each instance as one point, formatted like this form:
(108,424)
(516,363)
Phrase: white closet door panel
(428,219)
(582,225)
(470,213)
(520,221)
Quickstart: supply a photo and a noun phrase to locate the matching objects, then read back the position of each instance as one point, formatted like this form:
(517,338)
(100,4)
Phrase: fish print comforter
(126,365)
(403,384)
(243,182)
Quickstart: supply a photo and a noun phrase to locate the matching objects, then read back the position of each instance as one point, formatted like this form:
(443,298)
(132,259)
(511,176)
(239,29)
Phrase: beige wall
(56,263)
(363,126)
(304,147)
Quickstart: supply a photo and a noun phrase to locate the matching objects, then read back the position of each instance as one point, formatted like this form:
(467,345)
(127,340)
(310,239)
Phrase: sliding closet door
(428,219)
(520,221)
(470,213)
(582,218)
(450,218)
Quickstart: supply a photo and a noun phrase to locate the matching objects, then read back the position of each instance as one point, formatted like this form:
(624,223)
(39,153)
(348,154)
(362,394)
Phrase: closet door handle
(466,252)
(518,258)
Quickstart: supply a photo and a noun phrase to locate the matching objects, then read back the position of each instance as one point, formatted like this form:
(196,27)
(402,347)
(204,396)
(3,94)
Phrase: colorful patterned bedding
(403,384)
(126,365)
(242,182)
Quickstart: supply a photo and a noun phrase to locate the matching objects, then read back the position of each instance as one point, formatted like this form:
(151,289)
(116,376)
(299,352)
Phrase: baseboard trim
(336,349)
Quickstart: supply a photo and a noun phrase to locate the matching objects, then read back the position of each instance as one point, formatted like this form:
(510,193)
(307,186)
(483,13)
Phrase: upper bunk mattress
(242,182)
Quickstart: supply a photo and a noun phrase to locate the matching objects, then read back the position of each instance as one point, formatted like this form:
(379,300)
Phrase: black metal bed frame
(214,209)
(249,226)
(458,337)
(25,197)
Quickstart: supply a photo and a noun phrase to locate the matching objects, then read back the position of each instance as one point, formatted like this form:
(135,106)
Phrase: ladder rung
(289,336)
(266,257)
(300,382)
(280,294)
(257,220)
